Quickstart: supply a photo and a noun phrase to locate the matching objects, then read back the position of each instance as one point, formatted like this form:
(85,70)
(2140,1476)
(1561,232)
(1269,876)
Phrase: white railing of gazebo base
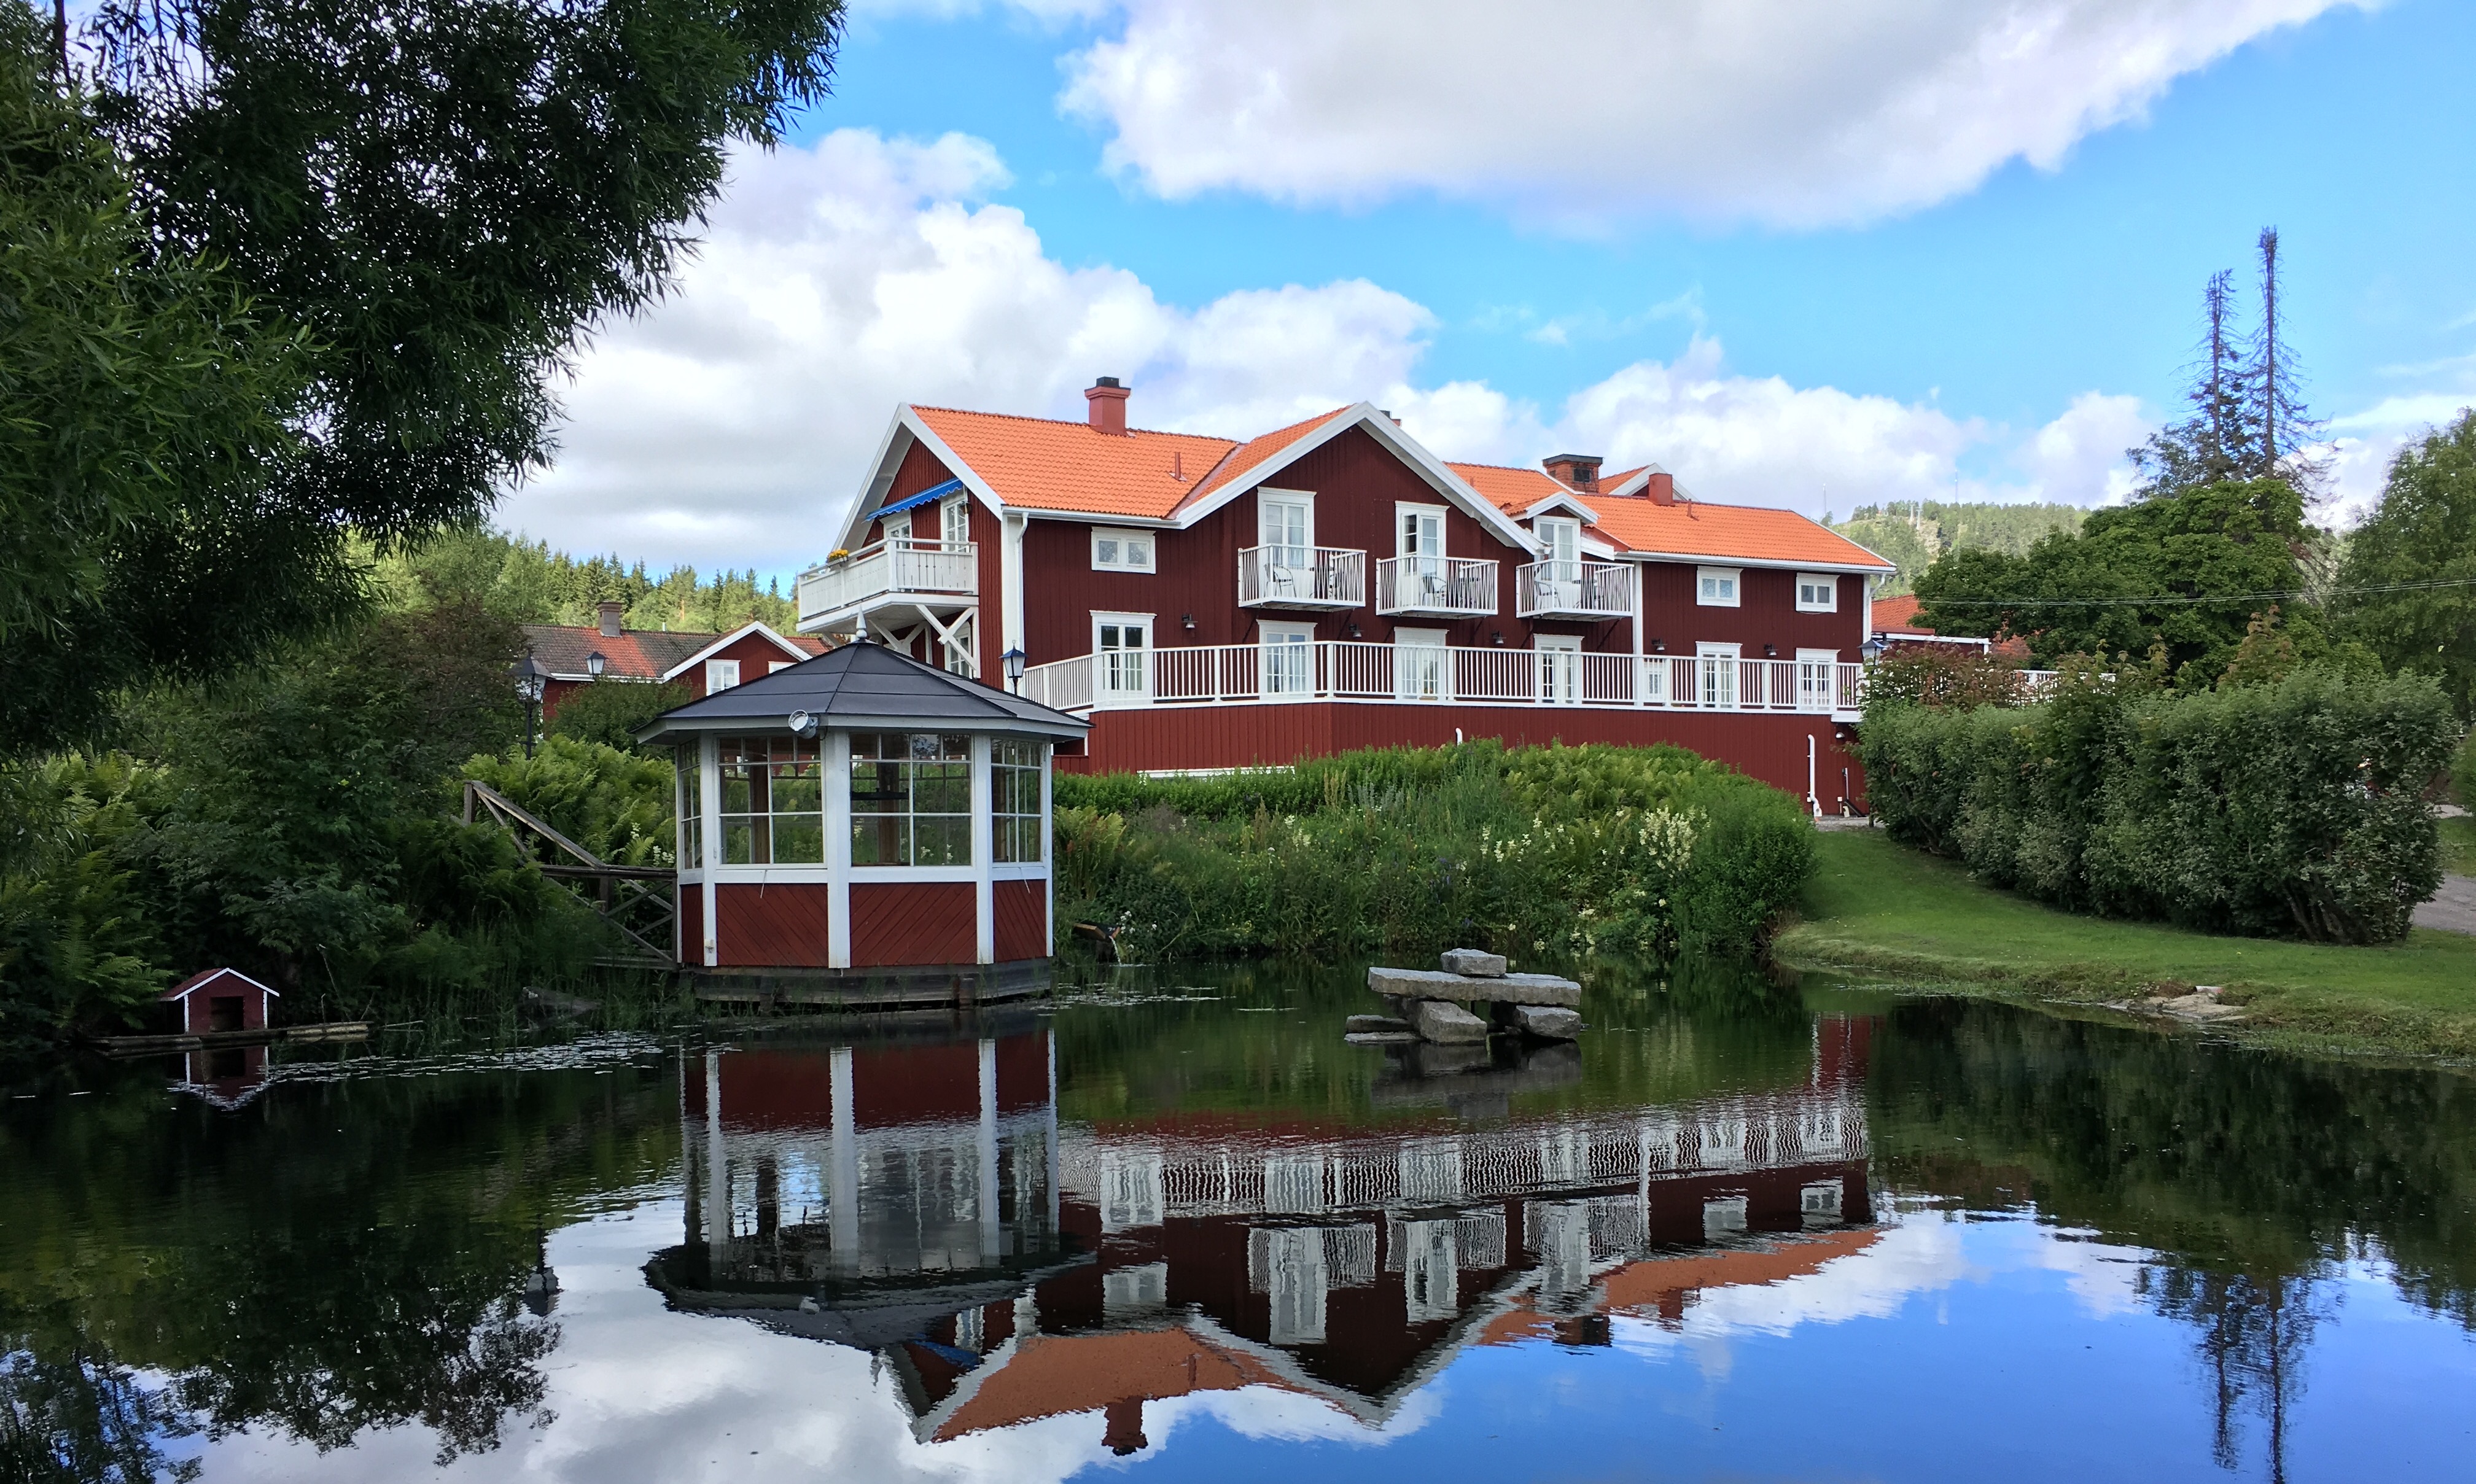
(896,567)
(1438,675)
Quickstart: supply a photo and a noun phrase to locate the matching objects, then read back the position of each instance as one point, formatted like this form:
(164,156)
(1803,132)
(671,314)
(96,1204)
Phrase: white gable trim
(796,653)
(218,974)
(909,428)
(1453,487)
(1566,502)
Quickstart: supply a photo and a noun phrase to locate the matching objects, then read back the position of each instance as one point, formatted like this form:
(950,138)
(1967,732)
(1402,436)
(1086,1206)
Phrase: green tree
(2186,569)
(440,198)
(144,402)
(612,712)
(2422,533)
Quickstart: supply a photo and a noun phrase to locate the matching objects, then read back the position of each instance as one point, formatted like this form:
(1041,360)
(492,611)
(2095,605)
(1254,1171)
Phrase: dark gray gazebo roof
(862,687)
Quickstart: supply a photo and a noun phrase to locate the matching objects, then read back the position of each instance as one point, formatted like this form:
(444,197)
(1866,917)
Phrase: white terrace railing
(1436,586)
(1301,576)
(1342,671)
(1573,589)
(897,567)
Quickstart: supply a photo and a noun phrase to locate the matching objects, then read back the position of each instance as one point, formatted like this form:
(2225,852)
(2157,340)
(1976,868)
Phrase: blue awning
(913,502)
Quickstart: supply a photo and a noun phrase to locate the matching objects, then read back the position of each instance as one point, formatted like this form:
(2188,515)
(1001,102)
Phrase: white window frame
(1818,677)
(1559,668)
(947,510)
(1830,584)
(1733,577)
(720,675)
(1553,529)
(1716,684)
(1287,661)
(1426,672)
(1122,534)
(1304,498)
(1105,672)
(1402,509)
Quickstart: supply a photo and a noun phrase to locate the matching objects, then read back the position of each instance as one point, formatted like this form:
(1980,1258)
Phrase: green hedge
(1544,851)
(2295,808)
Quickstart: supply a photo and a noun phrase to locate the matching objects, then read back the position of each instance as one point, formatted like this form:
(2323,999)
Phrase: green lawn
(1880,907)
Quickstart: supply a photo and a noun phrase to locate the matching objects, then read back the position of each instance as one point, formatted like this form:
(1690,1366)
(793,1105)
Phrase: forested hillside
(1915,535)
(526,583)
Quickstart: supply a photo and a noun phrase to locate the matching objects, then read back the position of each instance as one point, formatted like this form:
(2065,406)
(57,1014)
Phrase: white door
(1288,536)
(1289,660)
(1421,579)
(1719,666)
(1421,665)
(1125,671)
(1818,672)
(1560,669)
(1560,571)
(954,521)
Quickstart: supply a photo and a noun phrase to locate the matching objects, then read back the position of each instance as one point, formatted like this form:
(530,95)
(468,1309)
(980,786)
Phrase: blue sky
(1910,257)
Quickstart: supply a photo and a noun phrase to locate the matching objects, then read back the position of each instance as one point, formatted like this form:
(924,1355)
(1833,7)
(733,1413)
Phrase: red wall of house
(754,654)
(1770,747)
(895,922)
(1767,614)
(774,925)
(1020,909)
(200,1006)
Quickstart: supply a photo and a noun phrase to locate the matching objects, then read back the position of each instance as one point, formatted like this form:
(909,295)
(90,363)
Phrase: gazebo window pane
(773,802)
(1014,800)
(911,798)
(691,767)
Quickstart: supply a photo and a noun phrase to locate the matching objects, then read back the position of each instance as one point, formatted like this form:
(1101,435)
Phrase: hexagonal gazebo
(860,830)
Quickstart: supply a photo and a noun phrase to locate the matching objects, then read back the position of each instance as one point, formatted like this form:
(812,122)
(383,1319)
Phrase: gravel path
(2453,909)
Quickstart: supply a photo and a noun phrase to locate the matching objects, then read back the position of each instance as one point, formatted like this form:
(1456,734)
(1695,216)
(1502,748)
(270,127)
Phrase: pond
(1176,1229)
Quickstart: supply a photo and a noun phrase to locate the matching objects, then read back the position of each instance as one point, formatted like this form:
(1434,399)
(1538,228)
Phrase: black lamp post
(1013,662)
(529,676)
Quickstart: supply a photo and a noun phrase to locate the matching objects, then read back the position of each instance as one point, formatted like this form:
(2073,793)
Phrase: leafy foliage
(610,714)
(1942,676)
(530,584)
(615,804)
(2294,808)
(2248,420)
(1553,850)
(2227,541)
(1915,535)
(143,396)
(2423,530)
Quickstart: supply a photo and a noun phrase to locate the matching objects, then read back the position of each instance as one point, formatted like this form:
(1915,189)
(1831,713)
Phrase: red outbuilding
(221,1000)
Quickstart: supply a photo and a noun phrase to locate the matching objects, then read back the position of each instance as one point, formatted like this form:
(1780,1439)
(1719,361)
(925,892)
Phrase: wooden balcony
(1435,587)
(1318,579)
(1573,589)
(931,576)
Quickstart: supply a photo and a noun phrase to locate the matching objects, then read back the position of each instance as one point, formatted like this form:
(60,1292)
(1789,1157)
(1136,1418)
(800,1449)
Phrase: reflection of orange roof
(1042,464)
(1639,1287)
(1049,1375)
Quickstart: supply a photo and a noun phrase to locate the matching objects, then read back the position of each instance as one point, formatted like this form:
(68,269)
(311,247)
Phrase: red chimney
(1108,406)
(1575,471)
(1122,1423)
(610,612)
(1662,488)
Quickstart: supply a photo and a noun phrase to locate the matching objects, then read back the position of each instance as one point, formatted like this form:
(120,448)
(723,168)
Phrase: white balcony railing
(1573,589)
(1437,674)
(896,569)
(1435,586)
(1301,576)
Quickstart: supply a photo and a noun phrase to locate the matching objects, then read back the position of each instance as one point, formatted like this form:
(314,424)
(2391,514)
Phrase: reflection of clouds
(1921,1254)
(1269,1414)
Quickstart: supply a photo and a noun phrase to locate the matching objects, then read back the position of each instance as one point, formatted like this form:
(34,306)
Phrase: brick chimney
(1108,401)
(609,611)
(1662,488)
(1574,471)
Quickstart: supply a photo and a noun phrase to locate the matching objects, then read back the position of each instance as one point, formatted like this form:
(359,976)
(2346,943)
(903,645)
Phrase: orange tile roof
(1254,451)
(1899,615)
(1741,533)
(1043,464)
(1512,490)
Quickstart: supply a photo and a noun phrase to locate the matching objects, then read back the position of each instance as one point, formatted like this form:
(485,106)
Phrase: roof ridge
(1068,422)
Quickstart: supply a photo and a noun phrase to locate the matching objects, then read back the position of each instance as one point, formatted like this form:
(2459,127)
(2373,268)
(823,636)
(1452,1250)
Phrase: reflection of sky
(1955,1346)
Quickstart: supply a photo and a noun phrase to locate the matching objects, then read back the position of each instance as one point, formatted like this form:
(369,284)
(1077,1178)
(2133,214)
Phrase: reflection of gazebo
(862,829)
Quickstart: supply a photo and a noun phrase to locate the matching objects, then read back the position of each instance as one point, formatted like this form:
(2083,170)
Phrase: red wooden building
(221,1000)
(571,658)
(1211,602)
(859,817)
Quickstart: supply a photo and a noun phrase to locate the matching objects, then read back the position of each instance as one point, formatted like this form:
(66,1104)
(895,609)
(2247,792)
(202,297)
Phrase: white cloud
(1799,116)
(730,423)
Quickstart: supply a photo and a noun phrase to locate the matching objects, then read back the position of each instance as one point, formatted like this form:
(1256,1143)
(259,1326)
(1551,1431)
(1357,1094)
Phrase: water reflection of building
(224,1076)
(920,1202)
